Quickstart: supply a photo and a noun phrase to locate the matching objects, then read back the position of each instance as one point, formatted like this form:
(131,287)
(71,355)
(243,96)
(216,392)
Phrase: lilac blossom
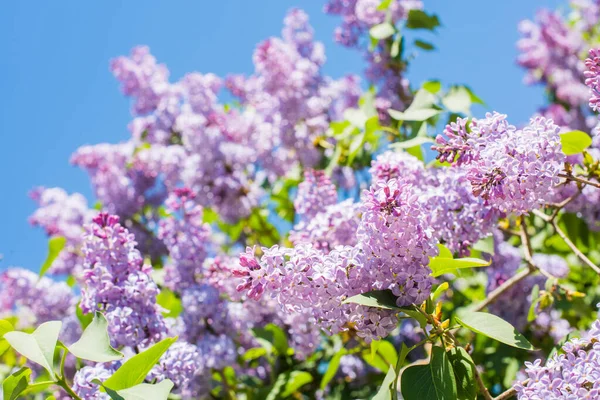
(116,281)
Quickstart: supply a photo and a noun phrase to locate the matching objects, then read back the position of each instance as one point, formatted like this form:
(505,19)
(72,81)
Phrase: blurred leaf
(16,383)
(274,336)
(385,392)
(418,19)
(254,353)
(332,368)
(416,141)
(535,299)
(414,115)
(493,327)
(574,142)
(295,381)
(55,245)
(170,302)
(424,45)
(485,245)
(5,327)
(37,346)
(94,343)
(433,381)
(146,391)
(134,370)
(382,31)
(457,100)
(432,86)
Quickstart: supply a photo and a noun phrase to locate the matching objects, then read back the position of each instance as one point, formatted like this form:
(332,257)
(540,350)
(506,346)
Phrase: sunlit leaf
(94,343)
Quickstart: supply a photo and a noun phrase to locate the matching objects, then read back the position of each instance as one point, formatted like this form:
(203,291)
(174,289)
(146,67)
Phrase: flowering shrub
(313,239)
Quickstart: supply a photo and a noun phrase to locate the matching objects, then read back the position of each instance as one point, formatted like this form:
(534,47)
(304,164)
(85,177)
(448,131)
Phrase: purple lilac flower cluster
(61,214)
(572,373)
(116,281)
(513,170)
(383,70)
(37,300)
(458,218)
(187,238)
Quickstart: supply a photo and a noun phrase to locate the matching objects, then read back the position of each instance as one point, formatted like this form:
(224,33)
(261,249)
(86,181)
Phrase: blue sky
(57,92)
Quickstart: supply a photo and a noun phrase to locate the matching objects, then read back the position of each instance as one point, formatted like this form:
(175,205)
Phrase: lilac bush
(287,234)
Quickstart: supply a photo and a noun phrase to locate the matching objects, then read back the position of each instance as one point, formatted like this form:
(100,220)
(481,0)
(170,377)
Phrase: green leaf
(94,343)
(385,4)
(535,299)
(332,368)
(493,327)
(411,312)
(5,326)
(464,373)
(37,346)
(134,370)
(167,300)
(385,392)
(416,141)
(274,336)
(376,298)
(418,19)
(16,383)
(433,381)
(574,142)
(424,45)
(485,245)
(414,115)
(254,353)
(111,393)
(439,291)
(146,391)
(457,100)
(382,31)
(55,245)
(432,86)
(443,265)
(296,380)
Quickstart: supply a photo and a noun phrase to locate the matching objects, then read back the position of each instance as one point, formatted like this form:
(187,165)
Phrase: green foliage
(433,381)
(170,302)
(574,142)
(464,373)
(446,263)
(94,343)
(377,298)
(385,392)
(332,368)
(16,383)
(382,31)
(5,327)
(134,370)
(38,346)
(55,245)
(493,327)
(418,19)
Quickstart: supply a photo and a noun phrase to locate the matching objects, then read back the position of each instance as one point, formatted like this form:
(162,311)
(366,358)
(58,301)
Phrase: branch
(494,294)
(574,248)
(579,179)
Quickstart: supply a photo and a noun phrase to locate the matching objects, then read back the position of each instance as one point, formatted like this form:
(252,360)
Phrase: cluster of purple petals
(513,170)
(83,385)
(37,300)
(392,250)
(385,72)
(186,237)
(550,50)
(514,304)
(458,218)
(61,214)
(179,364)
(573,373)
(315,192)
(116,282)
(592,75)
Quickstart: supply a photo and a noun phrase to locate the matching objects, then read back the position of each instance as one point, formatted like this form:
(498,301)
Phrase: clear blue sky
(57,92)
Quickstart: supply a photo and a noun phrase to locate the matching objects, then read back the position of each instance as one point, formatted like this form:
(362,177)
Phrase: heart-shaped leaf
(94,343)
(574,142)
(38,346)
(134,370)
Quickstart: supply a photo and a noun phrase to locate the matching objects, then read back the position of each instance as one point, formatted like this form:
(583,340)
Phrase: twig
(494,294)
(574,248)
(579,179)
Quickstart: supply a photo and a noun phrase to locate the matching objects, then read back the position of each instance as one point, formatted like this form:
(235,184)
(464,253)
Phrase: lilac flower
(179,364)
(571,374)
(186,236)
(116,281)
(592,75)
(83,385)
(63,215)
(314,194)
(513,170)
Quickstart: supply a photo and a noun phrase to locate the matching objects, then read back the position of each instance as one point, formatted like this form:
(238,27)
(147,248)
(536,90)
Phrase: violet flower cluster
(513,170)
(117,282)
(572,373)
